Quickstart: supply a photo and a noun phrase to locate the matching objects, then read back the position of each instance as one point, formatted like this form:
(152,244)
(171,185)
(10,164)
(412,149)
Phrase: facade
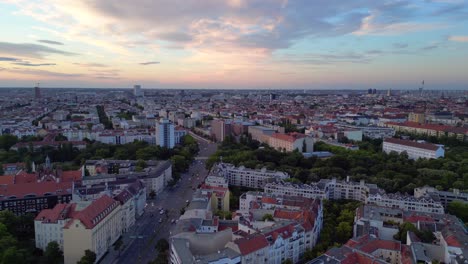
(137,91)
(293,189)
(415,150)
(260,133)
(430,129)
(220,129)
(241,176)
(417,117)
(407,203)
(49,223)
(155,177)
(95,227)
(33,197)
(290,142)
(444,197)
(165,134)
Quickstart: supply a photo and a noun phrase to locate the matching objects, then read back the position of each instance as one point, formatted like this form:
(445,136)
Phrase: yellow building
(417,117)
(95,227)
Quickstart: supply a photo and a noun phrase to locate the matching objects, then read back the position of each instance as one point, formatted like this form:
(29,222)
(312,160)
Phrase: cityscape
(234,132)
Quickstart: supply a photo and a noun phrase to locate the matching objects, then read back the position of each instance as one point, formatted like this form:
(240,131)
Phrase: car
(160,208)
(152,215)
(161,212)
(187,201)
(173,221)
(160,220)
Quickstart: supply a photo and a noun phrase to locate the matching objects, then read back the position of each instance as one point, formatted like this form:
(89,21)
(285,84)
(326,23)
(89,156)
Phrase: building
(417,117)
(155,176)
(242,176)
(296,189)
(37,92)
(217,188)
(260,133)
(49,223)
(444,197)
(406,203)
(137,91)
(220,129)
(460,133)
(179,134)
(94,226)
(165,134)
(415,150)
(291,141)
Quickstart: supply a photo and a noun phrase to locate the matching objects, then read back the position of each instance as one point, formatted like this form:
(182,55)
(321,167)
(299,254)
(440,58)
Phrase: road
(139,243)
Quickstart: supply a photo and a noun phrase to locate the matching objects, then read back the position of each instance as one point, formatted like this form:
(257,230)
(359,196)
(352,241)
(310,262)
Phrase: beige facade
(96,234)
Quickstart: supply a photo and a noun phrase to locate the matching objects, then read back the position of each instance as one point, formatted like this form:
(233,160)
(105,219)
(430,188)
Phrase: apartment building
(430,129)
(296,189)
(407,203)
(165,134)
(445,197)
(415,150)
(49,223)
(95,226)
(260,133)
(242,176)
(291,141)
(220,129)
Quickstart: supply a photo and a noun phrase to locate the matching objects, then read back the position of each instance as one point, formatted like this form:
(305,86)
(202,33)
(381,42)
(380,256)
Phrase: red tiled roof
(90,215)
(69,176)
(7,179)
(283,214)
(291,137)
(418,218)
(251,244)
(59,212)
(452,241)
(410,143)
(380,244)
(24,177)
(37,188)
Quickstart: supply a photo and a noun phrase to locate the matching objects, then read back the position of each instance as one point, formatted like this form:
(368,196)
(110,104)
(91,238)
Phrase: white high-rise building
(137,90)
(165,134)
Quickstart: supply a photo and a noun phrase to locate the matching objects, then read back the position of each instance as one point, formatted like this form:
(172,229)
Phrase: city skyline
(235,44)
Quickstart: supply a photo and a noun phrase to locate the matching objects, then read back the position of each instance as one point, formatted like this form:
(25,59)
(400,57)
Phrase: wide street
(139,243)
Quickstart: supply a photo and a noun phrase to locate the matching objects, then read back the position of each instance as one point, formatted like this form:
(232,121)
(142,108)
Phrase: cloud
(458,38)
(9,59)
(34,64)
(50,42)
(41,73)
(430,47)
(91,65)
(149,63)
(29,50)
(400,45)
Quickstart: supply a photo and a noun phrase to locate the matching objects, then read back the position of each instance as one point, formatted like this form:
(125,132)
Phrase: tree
(162,245)
(118,245)
(7,141)
(459,209)
(343,232)
(287,261)
(267,217)
(88,258)
(53,253)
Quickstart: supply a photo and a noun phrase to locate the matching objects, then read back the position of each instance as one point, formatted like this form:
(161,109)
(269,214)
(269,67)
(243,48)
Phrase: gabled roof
(251,244)
(413,144)
(94,213)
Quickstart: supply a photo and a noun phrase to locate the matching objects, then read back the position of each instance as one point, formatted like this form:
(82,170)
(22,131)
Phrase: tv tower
(421,88)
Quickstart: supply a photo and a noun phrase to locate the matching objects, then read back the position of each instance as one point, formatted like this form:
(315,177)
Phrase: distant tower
(374,91)
(369,91)
(389,92)
(137,90)
(37,92)
(47,162)
(421,88)
(165,133)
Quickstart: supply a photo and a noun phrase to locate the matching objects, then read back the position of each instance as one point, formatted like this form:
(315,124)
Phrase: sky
(235,44)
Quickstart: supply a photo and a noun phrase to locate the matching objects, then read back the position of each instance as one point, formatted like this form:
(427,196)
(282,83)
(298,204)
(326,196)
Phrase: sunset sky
(316,44)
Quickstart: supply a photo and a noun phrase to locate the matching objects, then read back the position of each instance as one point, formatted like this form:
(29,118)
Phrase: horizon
(235,44)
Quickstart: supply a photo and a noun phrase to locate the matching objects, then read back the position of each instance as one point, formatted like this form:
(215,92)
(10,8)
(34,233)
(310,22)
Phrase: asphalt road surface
(139,243)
